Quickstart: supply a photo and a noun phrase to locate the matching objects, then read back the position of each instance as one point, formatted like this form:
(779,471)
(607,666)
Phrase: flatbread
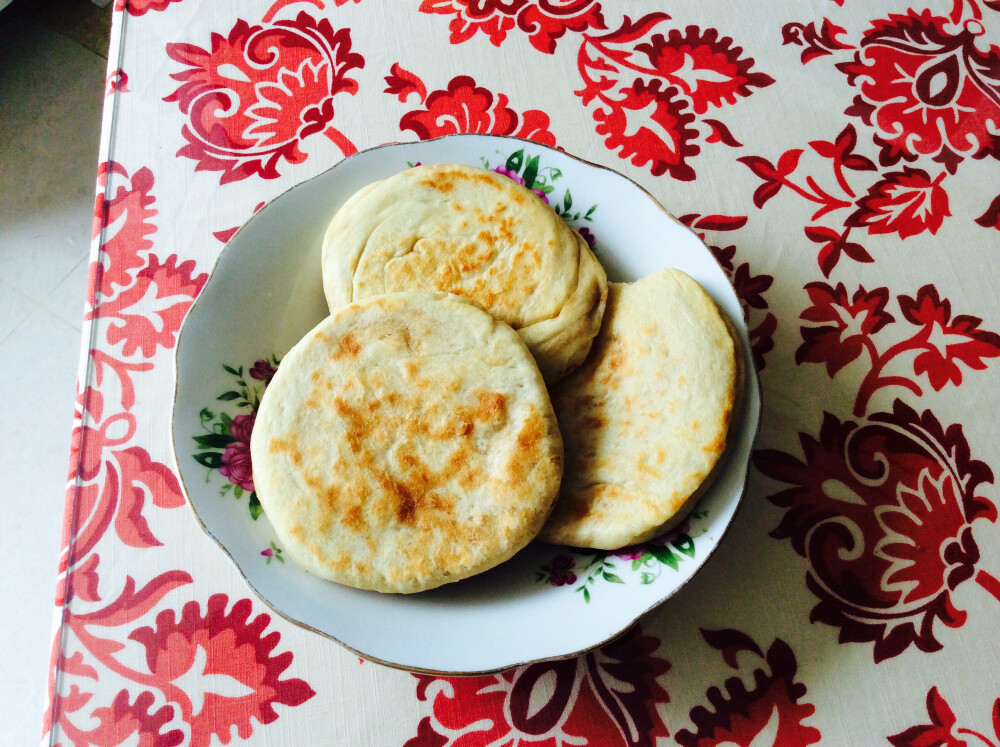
(476,234)
(645,419)
(405,442)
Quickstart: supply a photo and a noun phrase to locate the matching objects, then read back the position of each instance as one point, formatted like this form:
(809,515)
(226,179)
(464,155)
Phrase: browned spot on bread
(329,497)
(457,459)
(617,360)
(505,228)
(612,364)
(642,468)
(532,433)
(468,478)
(492,405)
(352,518)
(440,503)
(533,259)
(343,409)
(339,562)
(445,264)
(288,446)
(716,445)
(439,182)
(530,444)
(321,523)
(579,510)
(406,504)
(349,347)
(355,431)
(477,176)
(472,257)
(443,180)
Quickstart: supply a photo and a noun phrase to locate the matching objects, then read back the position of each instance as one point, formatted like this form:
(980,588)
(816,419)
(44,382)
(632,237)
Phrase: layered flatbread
(476,234)
(407,441)
(645,419)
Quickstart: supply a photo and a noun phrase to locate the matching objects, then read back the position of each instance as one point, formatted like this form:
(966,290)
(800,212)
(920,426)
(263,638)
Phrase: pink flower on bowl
(241,427)
(561,570)
(236,466)
(513,176)
(263,371)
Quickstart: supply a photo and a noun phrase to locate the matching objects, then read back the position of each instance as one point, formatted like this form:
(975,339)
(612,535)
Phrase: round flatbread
(405,442)
(645,419)
(476,234)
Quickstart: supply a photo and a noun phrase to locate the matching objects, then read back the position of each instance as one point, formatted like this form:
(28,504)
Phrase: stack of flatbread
(479,384)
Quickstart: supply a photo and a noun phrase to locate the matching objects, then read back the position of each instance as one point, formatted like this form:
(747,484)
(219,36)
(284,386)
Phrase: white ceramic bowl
(266,292)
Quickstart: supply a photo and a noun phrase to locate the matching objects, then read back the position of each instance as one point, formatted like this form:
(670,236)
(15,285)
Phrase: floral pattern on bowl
(647,560)
(231,433)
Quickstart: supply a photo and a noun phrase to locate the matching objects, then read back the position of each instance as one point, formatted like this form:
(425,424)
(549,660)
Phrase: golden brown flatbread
(476,234)
(645,419)
(407,441)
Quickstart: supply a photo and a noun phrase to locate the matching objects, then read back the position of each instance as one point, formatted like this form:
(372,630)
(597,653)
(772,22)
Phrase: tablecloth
(840,160)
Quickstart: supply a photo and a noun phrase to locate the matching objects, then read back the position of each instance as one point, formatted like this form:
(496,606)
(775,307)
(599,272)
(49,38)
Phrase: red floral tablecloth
(840,159)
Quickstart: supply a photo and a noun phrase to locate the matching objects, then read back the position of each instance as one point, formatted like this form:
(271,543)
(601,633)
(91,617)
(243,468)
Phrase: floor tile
(37,414)
(14,307)
(66,301)
(51,104)
(79,20)
(50,110)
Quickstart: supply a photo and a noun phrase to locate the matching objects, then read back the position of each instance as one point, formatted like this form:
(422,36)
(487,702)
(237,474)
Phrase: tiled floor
(51,95)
